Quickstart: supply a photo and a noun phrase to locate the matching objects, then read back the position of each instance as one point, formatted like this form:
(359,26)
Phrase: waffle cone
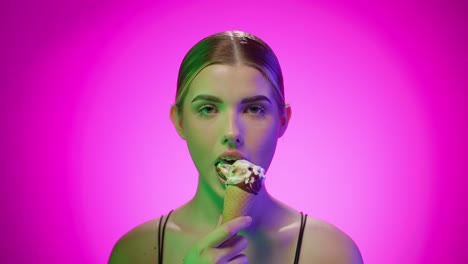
(237,202)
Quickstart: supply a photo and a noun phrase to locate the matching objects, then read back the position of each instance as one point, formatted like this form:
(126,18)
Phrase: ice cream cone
(237,202)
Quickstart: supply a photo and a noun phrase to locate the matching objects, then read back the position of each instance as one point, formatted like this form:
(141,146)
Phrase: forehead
(230,82)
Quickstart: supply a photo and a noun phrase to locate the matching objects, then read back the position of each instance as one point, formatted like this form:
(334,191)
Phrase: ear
(284,120)
(177,121)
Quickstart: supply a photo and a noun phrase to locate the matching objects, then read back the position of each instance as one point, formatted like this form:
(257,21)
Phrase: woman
(230,103)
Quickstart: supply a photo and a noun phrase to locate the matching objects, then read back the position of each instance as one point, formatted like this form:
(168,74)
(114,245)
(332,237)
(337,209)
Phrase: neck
(207,205)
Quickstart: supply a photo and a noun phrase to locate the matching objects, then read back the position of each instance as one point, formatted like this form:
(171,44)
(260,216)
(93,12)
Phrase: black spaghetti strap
(161,237)
(299,239)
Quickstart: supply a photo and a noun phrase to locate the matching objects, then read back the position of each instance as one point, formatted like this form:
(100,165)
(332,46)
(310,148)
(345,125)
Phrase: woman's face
(229,108)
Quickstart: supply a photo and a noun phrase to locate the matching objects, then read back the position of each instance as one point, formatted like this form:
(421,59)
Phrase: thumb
(220,221)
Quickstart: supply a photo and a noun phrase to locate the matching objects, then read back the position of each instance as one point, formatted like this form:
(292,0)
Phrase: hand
(222,245)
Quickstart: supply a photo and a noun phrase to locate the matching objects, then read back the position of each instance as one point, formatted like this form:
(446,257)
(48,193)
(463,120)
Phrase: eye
(207,110)
(256,110)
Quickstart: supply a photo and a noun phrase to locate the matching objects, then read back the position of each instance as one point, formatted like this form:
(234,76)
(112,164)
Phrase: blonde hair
(230,48)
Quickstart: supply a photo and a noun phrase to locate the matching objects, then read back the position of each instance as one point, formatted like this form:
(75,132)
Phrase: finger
(232,247)
(239,259)
(220,221)
(234,241)
(225,231)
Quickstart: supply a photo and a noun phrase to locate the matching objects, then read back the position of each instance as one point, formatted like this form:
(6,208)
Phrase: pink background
(378,90)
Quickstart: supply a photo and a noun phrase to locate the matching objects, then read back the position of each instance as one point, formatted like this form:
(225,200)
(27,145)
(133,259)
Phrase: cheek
(200,141)
(197,133)
(263,142)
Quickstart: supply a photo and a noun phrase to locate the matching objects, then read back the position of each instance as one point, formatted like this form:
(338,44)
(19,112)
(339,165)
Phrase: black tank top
(161,238)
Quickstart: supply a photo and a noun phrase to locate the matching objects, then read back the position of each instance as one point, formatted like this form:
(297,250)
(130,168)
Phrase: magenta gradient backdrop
(379,126)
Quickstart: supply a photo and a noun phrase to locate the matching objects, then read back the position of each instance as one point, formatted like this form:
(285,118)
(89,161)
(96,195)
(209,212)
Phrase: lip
(229,154)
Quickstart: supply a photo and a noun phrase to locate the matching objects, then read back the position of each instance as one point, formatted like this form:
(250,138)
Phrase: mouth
(222,166)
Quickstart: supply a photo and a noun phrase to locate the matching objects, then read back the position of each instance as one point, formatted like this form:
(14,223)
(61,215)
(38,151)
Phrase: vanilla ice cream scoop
(246,175)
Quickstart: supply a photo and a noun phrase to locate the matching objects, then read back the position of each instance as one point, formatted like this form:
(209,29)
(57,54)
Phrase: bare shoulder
(325,243)
(139,245)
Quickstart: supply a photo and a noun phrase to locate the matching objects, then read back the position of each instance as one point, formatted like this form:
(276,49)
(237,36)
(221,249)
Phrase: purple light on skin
(376,144)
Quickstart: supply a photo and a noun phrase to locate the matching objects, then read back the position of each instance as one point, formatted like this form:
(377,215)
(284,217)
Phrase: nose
(233,131)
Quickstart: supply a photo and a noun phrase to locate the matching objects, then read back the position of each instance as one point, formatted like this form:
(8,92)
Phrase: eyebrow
(215,99)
